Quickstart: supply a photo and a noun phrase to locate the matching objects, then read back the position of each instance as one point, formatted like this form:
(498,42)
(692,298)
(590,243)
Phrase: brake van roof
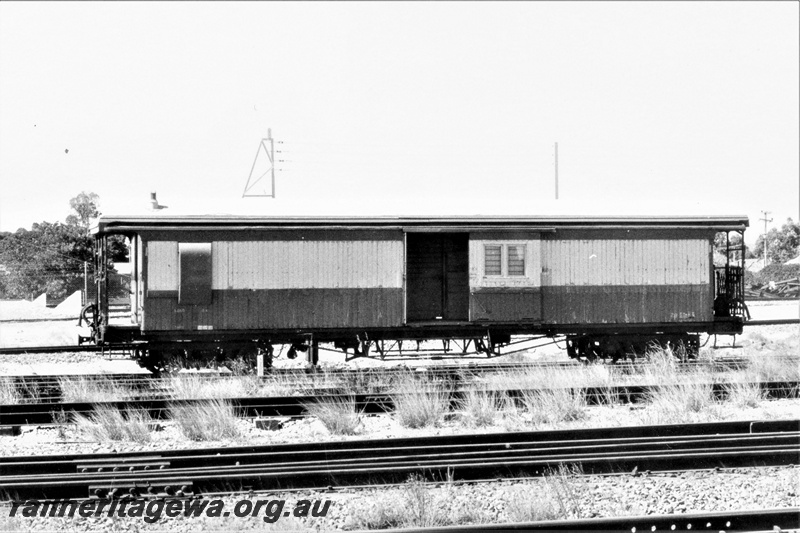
(112,224)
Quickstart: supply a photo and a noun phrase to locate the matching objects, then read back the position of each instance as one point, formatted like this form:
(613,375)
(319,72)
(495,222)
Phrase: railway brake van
(208,287)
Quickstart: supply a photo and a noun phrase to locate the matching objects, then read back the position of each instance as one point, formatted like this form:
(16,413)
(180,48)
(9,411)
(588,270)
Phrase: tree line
(50,257)
(782,244)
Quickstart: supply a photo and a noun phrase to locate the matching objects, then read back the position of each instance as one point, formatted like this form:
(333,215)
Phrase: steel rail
(454,369)
(753,520)
(443,371)
(775,322)
(67,348)
(464,457)
(373,403)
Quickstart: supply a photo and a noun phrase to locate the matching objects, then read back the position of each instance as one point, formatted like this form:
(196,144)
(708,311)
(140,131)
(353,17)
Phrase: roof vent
(154,205)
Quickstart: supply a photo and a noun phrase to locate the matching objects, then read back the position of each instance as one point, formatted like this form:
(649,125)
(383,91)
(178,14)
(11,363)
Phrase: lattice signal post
(255,186)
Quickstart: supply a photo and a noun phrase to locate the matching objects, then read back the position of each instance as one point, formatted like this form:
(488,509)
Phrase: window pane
(492,260)
(516,260)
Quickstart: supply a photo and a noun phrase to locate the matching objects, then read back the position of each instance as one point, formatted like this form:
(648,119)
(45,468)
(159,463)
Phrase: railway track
(757,520)
(296,405)
(49,384)
(329,465)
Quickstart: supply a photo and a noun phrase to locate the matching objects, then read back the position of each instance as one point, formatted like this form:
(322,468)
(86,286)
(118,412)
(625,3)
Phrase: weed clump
(557,496)
(109,423)
(91,389)
(685,401)
(199,387)
(480,408)
(744,394)
(338,413)
(208,420)
(554,405)
(419,402)
(9,395)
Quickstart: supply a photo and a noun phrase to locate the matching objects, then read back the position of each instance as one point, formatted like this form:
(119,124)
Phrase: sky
(397,108)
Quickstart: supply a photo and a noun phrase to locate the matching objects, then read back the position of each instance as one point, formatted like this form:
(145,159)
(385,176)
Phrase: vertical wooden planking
(624,262)
(162,265)
(311,264)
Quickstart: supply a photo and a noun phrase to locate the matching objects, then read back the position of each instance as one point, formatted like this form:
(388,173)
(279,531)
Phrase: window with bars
(504,260)
(515,260)
(493,263)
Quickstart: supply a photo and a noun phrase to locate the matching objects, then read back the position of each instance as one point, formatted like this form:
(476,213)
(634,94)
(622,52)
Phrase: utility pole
(85,282)
(556,171)
(765,219)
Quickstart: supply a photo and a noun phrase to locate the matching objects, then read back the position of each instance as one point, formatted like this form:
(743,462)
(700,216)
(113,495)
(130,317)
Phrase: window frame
(504,259)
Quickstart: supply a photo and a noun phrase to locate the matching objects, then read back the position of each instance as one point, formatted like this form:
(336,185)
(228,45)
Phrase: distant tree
(86,207)
(782,245)
(48,258)
(721,244)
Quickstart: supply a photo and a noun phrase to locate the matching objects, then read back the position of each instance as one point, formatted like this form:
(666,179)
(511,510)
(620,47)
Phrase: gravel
(459,504)
(48,440)
(454,504)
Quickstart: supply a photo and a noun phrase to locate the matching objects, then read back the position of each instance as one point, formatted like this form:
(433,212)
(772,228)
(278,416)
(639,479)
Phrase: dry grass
(29,391)
(377,511)
(770,367)
(191,386)
(556,496)
(512,417)
(419,402)
(480,408)
(209,420)
(550,406)
(362,381)
(108,423)
(338,414)
(744,394)
(9,395)
(91,389)
(661,366)
(61,419)
(678,403)
(202,387)
(535,377)
(416,505)
(421,509)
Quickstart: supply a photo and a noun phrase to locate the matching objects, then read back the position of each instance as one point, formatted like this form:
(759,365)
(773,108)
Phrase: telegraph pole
(556,171)
(85,282)
(766,220)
